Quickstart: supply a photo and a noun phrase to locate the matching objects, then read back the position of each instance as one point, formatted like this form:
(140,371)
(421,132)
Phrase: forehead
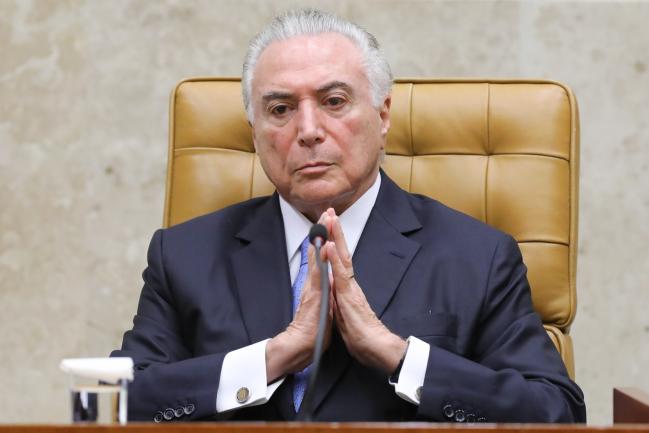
(306,62)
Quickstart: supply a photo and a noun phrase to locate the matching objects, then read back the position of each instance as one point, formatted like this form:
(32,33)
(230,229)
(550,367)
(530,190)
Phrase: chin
(318,200)
(318,197)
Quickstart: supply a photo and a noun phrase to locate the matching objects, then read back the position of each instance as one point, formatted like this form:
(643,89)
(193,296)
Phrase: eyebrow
(271,96)
(335,85)
(274,95)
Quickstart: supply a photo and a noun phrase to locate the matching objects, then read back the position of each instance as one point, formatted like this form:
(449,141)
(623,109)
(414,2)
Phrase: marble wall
(83,124)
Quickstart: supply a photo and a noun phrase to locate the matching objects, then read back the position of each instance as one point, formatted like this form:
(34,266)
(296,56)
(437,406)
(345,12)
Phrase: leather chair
(504,151)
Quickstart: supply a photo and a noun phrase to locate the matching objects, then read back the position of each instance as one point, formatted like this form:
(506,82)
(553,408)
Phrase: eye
(279,109)
(335,101)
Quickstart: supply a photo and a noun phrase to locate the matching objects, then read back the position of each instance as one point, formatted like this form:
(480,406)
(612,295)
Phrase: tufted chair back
(503,151)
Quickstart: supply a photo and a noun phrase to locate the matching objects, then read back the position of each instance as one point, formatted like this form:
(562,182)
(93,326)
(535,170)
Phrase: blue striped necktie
(300,378)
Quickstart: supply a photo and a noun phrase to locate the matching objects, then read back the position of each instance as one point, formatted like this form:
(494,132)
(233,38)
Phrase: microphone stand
(306,409)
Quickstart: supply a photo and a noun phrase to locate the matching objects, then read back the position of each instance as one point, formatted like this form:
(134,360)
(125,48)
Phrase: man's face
(315,129)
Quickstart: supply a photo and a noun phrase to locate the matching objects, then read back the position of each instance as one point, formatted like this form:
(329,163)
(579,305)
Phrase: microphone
(317,237)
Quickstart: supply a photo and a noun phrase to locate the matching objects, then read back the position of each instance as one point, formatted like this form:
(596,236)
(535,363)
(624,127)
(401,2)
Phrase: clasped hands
(366,338)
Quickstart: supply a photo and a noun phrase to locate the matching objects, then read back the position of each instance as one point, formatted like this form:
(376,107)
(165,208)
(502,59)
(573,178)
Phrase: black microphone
(317,237)
(318,233)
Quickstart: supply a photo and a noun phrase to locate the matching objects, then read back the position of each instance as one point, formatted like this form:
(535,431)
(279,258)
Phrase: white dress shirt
(246,367)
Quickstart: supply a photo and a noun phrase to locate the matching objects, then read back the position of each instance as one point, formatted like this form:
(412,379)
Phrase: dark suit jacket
(221,282)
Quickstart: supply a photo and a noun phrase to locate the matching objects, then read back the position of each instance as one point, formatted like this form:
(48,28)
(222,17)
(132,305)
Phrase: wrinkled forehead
(309,58)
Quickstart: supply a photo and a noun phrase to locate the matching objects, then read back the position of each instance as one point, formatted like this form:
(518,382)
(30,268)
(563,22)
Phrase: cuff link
(418,393)
(243,394)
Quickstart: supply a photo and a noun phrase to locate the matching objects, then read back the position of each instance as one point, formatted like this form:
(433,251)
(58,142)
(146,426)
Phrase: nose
(310,128)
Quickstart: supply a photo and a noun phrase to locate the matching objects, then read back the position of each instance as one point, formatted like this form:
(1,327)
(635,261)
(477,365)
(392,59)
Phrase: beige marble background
(83,126)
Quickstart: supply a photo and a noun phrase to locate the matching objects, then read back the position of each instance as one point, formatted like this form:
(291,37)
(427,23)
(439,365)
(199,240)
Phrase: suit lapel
(261,274)
(381,258)
(380,261)
(263,282)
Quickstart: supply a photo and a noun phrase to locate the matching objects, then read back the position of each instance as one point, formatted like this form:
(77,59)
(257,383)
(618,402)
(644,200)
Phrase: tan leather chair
(503,151)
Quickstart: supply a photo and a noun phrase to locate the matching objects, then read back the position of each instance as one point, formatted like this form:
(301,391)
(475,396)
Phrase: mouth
(314,167)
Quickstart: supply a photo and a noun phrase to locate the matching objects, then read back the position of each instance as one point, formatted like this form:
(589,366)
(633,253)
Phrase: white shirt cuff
(413,371)
(243,379)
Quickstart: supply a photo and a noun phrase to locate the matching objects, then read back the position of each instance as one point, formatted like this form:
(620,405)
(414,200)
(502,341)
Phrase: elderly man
(430,318)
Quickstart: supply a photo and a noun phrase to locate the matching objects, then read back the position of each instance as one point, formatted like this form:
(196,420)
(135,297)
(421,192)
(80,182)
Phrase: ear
(254,135)
(384,113)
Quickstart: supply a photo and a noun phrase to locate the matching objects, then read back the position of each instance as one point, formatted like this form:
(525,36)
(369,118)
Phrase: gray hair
(313,22)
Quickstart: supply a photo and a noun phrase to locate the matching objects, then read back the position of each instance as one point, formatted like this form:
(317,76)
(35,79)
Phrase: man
(431,319)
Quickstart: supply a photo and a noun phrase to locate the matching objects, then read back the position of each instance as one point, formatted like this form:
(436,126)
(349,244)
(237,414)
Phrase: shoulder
(454,229)
(221,224)
(437,226)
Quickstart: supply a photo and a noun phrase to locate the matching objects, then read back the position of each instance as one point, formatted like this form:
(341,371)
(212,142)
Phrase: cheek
(348,130)
(273,146)
(363,132)
(266,141)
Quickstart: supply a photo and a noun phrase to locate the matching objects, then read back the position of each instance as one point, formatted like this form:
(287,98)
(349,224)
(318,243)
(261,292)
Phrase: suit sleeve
(166,376)
(170,383)
(514,373)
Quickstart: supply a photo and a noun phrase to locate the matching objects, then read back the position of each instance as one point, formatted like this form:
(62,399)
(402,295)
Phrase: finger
(339,271)
(338,316)
(341,242)
(325,220)
(314,272)
(342,251)
(331,214)
(327,223)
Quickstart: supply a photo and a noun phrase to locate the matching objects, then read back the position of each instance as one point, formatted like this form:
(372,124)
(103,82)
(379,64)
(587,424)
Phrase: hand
(366,337)
(292,350)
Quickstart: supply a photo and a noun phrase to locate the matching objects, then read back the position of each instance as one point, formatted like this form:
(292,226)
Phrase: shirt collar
(353,220)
